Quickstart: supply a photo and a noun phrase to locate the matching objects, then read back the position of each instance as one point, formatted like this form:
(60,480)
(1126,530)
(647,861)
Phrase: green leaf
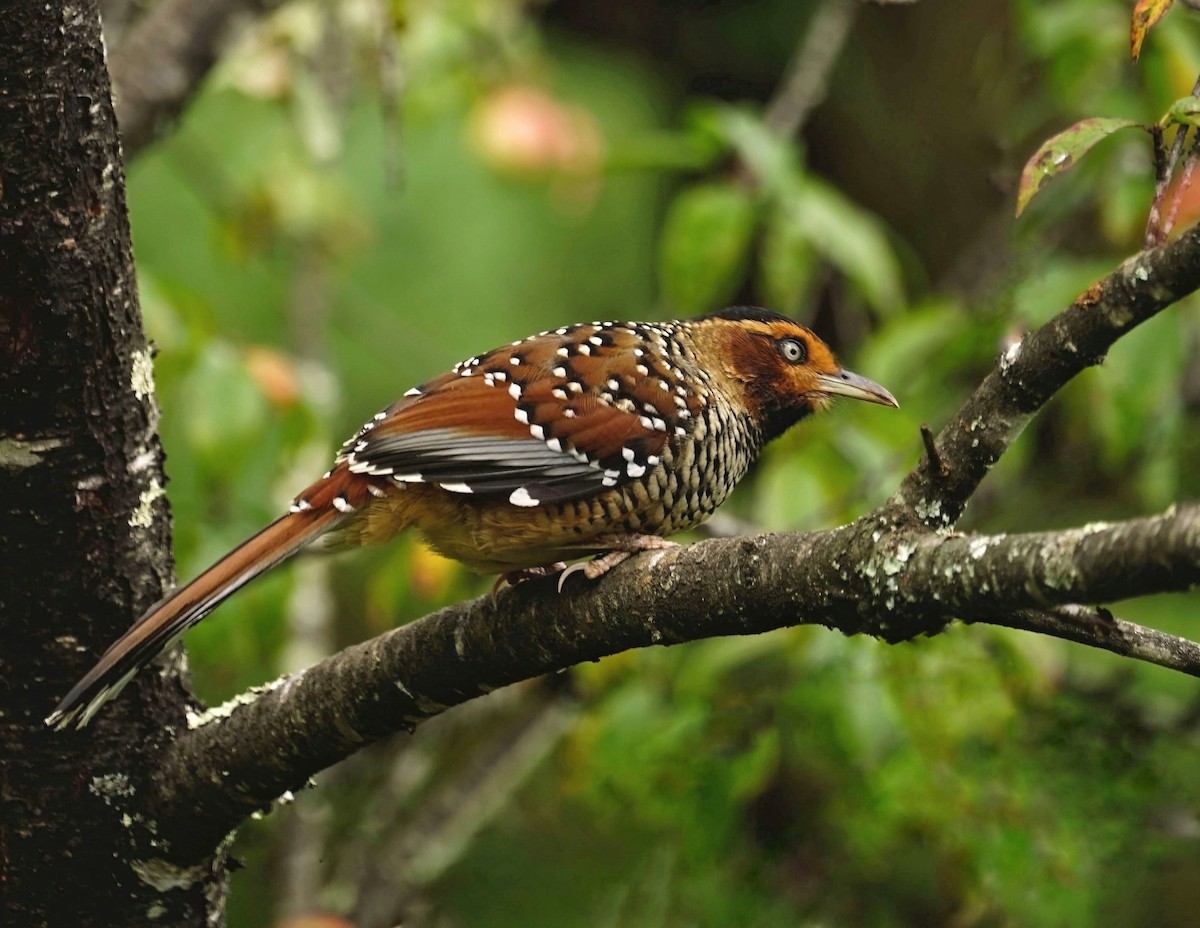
(1185,112)
(1061,151)
(705,245)
(849,237)
(771,158)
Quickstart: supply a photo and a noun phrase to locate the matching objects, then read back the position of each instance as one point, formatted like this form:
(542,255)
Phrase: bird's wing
(538,421)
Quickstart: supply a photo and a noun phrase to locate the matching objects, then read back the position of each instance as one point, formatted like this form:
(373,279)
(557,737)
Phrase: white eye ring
(793,350)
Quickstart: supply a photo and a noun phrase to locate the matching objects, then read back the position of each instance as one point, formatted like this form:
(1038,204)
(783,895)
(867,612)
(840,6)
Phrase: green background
(309,248)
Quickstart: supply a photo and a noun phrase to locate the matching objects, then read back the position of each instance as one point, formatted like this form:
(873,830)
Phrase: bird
(598,438)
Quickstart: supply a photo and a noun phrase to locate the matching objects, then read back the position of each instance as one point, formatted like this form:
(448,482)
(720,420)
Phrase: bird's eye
(793,350)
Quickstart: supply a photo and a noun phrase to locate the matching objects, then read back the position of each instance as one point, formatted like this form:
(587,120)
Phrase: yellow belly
(493,536)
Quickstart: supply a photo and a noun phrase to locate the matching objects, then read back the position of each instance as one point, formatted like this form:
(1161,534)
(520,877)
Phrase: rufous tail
(166,621)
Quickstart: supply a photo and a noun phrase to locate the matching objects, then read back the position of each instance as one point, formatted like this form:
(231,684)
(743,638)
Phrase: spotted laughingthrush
(599,438)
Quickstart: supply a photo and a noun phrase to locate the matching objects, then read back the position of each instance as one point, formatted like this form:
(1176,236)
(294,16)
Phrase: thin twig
(412,856)
(807,79)
(1164,169)
(936,464)
(1099,628)
(1185,183)
(393,83)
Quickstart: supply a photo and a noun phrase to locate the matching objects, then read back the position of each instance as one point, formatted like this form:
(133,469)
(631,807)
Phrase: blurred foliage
(364,193)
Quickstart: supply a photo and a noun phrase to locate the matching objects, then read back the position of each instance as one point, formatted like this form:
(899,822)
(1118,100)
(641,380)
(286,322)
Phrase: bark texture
(84,524)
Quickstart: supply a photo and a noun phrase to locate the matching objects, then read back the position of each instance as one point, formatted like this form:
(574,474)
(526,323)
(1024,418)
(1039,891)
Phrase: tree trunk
(84,534)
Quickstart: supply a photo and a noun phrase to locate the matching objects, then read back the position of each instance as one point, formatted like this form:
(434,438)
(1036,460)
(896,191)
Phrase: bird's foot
(513,577)
(620,548)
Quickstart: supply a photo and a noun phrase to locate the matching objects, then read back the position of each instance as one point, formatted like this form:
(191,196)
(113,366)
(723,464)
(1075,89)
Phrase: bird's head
(784,370)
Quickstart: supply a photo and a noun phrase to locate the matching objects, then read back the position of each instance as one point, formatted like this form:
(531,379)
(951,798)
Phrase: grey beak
(848,383)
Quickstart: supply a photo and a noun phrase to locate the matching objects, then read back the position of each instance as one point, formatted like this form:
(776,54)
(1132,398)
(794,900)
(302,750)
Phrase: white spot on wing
(520,497)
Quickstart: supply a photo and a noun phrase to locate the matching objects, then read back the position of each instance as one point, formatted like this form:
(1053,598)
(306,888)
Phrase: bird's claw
(623,546)
(513,577)
(583,566)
